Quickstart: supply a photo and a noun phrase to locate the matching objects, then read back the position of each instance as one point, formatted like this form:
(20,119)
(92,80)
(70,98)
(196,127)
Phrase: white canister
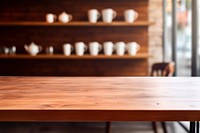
(93,15)
(133,48)
(108,48)
(64,17)
(50,18)
(130,15)
(108,15)
(67,49)
(120,48)
(94,48)
(80,48)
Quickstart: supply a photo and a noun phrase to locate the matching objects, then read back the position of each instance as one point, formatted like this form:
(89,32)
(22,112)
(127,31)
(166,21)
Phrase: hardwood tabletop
(99,98)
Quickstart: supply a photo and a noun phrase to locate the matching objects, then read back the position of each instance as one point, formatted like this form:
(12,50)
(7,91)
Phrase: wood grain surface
(99,99)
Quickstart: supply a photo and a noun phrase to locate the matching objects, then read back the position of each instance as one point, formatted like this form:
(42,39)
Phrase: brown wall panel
(36,10)
(57,36)
(100,67)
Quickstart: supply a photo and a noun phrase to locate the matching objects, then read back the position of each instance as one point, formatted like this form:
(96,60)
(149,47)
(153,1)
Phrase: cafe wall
(150,39)
(46,34)
(155,31)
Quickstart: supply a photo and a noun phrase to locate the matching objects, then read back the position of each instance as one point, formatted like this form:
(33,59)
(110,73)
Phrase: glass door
(183,39)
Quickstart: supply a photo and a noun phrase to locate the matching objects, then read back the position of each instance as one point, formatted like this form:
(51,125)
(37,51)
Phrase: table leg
(108,126)
(197,126)
(154,126)
(164,126)
(192,127)
(184,127)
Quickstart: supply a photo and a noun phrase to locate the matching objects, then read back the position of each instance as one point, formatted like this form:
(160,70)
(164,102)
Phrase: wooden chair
(163,69)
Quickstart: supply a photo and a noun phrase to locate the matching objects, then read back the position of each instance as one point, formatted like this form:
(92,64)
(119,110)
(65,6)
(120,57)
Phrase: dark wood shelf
(35,23)
(61,56)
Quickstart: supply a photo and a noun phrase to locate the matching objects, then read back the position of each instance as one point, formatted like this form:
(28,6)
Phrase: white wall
(155,31)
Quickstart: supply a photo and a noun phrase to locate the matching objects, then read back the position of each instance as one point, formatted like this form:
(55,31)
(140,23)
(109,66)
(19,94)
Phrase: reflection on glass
(183,36)
(168,45)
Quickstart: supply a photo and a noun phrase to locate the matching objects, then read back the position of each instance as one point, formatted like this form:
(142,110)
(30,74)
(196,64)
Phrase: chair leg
(184,127)
(154,127)
(164,127)
(108,126)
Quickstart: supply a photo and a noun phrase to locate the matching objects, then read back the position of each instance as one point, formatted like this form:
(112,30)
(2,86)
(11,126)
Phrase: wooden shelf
(119,23)
(61,56)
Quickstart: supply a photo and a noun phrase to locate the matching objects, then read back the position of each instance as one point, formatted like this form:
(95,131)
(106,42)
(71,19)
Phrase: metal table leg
(108,126)
(197,126)
(192,127)
(183,126)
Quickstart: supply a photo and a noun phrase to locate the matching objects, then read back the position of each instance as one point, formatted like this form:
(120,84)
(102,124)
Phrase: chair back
(163,69)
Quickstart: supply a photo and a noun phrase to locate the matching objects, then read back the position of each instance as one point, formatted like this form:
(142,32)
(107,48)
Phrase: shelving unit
(61,56)
(24,22)
(119,23)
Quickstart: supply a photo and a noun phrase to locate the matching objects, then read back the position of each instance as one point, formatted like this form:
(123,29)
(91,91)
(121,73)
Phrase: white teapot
(33,49)
(64,17)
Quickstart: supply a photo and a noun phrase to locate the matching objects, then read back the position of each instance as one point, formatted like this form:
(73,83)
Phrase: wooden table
(100,99)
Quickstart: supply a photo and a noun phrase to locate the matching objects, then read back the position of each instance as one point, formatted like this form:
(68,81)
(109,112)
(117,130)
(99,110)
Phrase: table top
(99,98)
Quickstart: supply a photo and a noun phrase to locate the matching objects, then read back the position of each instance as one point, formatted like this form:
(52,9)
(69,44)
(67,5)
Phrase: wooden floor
(89,127)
